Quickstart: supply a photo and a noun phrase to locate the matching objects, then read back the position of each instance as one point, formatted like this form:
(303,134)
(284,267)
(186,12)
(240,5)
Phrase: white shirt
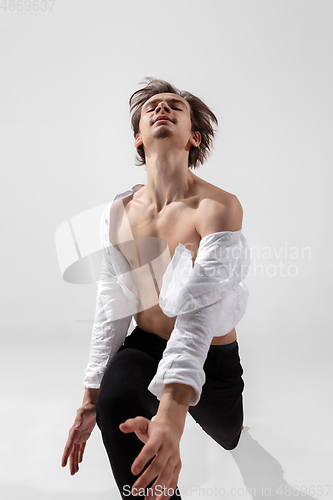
(208,299)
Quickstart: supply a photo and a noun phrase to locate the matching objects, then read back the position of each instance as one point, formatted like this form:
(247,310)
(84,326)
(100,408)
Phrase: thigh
(220,409)
(123,394)
(123,391)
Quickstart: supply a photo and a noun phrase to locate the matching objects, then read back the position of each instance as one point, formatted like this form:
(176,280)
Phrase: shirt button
(108,252)
(106,221)
(118,282)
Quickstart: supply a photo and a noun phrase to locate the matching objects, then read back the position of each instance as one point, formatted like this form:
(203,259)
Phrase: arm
(111,322)
(116,300)
(180,374)
(201,296)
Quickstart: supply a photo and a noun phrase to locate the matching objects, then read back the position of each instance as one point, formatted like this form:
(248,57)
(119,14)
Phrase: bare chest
(148,242)
(144,237)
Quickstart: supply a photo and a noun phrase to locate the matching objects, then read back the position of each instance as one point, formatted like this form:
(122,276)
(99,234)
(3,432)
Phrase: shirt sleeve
(199,297)
(186,351)
(110,322)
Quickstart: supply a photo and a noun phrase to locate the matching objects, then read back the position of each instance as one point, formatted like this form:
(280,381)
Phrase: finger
(171,486)
(152,472)
(78,420)
(126,426)
(149,450)
(140,427)
(137,423)
(76,451)
(165,474)
(68,448)
(65,455)
(82,447)
(73,461)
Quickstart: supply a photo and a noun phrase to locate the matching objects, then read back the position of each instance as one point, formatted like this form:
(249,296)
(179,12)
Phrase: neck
(168,178)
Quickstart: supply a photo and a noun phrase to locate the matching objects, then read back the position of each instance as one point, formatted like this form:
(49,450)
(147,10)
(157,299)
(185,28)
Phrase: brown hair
(201,118)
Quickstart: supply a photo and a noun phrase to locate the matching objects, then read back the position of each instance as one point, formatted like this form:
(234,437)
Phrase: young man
(183,354)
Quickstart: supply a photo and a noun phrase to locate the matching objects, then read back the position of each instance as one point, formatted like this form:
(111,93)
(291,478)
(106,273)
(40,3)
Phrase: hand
(78,435)
(161,440)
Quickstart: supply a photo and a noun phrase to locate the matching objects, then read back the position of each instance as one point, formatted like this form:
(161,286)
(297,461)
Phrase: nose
(162,106)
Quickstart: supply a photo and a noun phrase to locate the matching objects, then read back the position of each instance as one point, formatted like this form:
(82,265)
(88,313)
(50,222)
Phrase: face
(166,116)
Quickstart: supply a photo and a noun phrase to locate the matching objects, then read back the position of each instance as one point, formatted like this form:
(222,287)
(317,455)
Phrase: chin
(163,133)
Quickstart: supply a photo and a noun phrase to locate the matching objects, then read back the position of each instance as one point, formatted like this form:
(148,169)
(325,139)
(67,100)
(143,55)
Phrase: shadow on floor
(262,473)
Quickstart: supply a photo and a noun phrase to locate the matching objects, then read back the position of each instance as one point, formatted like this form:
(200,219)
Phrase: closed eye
(152,109)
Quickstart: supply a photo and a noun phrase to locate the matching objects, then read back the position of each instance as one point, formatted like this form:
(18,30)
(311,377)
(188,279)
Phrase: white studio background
(265,69)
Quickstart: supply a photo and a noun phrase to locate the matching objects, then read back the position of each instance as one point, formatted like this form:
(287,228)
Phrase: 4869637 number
(304,489)
(26,5)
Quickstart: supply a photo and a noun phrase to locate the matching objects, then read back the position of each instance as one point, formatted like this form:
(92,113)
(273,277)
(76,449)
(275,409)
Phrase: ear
(195,139)
(138,141)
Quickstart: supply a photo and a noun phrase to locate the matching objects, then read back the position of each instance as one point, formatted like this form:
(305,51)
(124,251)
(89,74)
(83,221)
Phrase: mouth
(162,119)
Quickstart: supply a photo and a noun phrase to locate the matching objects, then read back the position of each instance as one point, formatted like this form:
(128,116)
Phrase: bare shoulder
(137,187)
(218,211)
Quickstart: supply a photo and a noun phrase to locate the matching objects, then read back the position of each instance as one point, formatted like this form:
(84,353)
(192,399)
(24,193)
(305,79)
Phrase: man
(175,361)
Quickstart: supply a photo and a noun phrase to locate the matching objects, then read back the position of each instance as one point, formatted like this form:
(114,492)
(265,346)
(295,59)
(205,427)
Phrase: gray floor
(286,442)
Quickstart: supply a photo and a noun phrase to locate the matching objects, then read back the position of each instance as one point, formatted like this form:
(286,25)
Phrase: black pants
(123,394)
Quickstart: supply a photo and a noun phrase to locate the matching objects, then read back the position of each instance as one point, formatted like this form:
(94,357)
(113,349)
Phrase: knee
(230,447)
(232,444)
(114,405)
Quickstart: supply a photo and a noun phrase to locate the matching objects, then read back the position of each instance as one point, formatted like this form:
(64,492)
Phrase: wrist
(174,404)
(179,393)
(90,396)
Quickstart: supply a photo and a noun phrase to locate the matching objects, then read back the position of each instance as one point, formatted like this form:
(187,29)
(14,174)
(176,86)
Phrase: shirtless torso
(175,224)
